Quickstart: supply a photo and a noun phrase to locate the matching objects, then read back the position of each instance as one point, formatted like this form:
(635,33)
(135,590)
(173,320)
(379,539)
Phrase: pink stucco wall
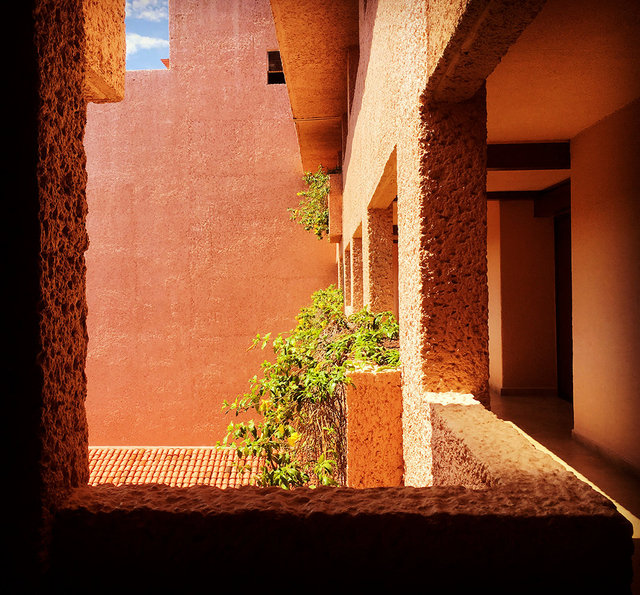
(192,251)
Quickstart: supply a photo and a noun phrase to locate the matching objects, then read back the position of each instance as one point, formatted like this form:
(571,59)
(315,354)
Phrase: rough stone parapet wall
(524,523)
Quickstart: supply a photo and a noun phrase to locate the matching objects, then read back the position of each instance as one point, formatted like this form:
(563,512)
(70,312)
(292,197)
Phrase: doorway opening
(564,339)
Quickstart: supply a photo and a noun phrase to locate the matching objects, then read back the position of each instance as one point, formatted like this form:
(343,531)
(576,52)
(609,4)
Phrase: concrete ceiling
(577,62)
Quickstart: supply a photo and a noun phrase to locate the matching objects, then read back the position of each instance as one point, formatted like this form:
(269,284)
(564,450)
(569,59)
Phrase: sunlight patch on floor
(634,520)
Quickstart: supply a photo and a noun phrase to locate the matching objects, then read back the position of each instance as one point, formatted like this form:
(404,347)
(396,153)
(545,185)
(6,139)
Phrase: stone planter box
(374,428)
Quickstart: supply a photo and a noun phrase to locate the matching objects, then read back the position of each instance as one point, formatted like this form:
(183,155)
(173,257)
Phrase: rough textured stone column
(443,269)
(377,259)
(356,273)
(340,262)
(347,276)
(334,203)
(46,333)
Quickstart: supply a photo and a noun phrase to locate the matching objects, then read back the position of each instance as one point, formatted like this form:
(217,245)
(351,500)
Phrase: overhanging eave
(314,37)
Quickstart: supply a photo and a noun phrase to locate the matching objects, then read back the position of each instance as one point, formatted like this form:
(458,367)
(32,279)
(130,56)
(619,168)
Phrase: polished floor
(549,421)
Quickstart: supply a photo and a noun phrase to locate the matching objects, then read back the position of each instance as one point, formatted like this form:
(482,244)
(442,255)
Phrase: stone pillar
(334,204)
(45,336)
(443,269)
(340,263)
(356,274)
(377,259)
(347,276)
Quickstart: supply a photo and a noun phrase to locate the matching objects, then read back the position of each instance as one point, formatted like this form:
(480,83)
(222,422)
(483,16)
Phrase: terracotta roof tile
(173,466)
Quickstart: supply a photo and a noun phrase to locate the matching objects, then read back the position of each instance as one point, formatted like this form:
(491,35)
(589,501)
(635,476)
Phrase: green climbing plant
(313,210)
(300,437)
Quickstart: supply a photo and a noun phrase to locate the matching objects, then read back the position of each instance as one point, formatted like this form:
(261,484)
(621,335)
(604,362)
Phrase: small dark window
(275,75)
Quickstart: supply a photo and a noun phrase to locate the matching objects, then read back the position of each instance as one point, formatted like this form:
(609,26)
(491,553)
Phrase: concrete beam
(469,40)
(528,156)
(105,50)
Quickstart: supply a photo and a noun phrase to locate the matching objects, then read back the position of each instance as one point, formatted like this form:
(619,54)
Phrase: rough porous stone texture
(377,260)
(340,265)
(356,274)
(453,263)
(335,207)
(528,525)
(453,462)
(63,241)
(374,428)
(443,271)
(467,39)
(105,50)
(440,162)
(347,277)
(46,238)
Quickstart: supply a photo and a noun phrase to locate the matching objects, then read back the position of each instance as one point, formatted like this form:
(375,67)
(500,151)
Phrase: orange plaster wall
(527,298)
(605,229)
(374,428)
(106,49)
(495,296)
(192,251)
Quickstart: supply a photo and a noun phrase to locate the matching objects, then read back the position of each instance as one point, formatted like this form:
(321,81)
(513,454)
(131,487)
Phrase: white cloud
(136,42)
(148,10)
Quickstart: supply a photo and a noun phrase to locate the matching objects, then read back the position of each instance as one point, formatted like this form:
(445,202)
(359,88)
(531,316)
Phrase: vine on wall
(301,434)
(313,210)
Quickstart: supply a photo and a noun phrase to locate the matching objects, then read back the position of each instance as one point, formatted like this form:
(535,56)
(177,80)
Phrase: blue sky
(147,24)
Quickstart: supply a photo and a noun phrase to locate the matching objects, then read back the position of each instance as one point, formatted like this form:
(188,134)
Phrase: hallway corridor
(549,421)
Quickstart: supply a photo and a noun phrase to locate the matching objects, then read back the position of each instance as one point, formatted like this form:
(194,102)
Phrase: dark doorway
(564,341)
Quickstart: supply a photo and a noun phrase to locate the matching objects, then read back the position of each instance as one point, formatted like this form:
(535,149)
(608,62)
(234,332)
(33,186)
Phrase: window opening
(275,74)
